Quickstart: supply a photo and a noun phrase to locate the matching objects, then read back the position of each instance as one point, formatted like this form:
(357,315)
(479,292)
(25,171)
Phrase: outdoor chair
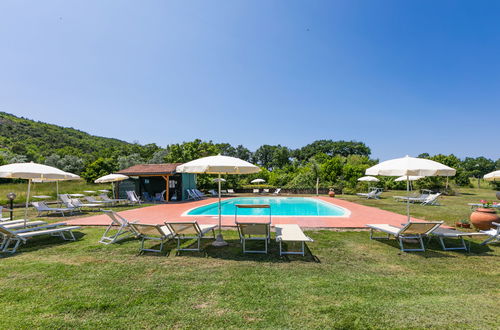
(79,205)
(277,191)
(21,224)
(106,199)
(411,230)
(254,231)
(147,197)
(449,233)
(66,200)
(213,193)
(192,195)
(188,231)
(230,191)
(41,208)
(132,197)
(93,200)
(2,218)
(159,196)
(199,193)
(30,226)
(432,199)
(494,234)
(156,233)
(256,191)
(291,233)
(415,199)
(122,229)
(265,191)
(15,238)
(371,194)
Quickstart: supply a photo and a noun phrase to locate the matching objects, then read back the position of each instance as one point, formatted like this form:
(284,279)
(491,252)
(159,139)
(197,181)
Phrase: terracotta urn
(498,194)
(331,193)
(482,218)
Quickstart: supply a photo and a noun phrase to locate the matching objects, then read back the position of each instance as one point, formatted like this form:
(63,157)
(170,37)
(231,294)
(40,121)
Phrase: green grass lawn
(346,281)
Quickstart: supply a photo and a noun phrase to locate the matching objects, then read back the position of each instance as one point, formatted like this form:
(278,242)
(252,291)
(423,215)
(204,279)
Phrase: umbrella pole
(57,189)
(27,202)
(219,241)
(113,185)
(408,197)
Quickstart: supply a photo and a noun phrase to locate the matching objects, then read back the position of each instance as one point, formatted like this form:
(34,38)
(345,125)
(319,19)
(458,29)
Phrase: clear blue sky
(405,77)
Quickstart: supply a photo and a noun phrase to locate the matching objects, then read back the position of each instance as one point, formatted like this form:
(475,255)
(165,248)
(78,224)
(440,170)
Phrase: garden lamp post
(11,196)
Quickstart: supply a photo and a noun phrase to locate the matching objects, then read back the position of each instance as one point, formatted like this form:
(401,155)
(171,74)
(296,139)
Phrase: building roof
(150,169)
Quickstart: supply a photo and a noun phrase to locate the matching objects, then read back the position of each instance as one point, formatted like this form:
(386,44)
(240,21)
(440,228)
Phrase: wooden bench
(291,233)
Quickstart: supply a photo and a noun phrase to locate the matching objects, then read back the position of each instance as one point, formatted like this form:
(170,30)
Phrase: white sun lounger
(41,208)
(256,191)
(156,233)
(189,230)
(254,231)
(290,233)
(444,233)
(133,198)
(411,230)
(432,199)
(122,227)
(106,199)
(192,195)
(16,238)
(18,225)
(375,193)
(2,218)
(79,205)
(230,191)
(277,191)
(494,234)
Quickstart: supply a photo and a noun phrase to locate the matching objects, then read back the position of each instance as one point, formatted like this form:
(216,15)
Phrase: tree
(158,157)
(130,160)
(272,157)
(332,148)
(243,153)
(188,151)
(98,168)
(478,167)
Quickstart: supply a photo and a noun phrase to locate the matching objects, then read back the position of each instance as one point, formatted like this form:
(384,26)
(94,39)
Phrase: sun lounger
(254,231)
(256,191)
(199,193)
(447,233)
(10,222)
(156,233)
(265,191)
(188,231)
(2,218)
(371,194)
(494,234)
(41,208)
(192,195)
(79,205)
(16,238)
(133,198)
(106,199)
(19,225)
(213,193)
(411,230)
(432,199)
(120,225)
(230,191)
(277,191)
(93,200)
(291,233)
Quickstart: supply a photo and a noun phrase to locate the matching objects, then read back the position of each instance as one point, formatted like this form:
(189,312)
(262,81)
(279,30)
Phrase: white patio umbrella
(410,166)
(30,171)
(218,165)
(111,178)
(368,179)
(71,177)
(493,176)
(257,181)
(219,180)
(409,178)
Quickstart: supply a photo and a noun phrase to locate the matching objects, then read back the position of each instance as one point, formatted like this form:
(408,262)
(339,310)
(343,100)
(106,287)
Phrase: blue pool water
(280,206)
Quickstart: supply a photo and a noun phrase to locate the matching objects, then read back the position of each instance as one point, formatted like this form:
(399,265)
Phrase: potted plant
(331,192)
(482,217)
(464,223)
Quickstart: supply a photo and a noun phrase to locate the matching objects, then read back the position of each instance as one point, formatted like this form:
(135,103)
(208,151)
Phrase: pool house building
(148,180)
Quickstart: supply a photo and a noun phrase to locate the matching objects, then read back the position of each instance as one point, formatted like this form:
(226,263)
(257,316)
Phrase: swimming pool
(280,206)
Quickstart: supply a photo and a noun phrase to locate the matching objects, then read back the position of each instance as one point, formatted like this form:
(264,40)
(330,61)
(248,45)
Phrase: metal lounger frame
(180,236)
(123,231)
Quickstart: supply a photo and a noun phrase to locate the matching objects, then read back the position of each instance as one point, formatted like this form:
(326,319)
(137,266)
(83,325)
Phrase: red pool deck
(359,216)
